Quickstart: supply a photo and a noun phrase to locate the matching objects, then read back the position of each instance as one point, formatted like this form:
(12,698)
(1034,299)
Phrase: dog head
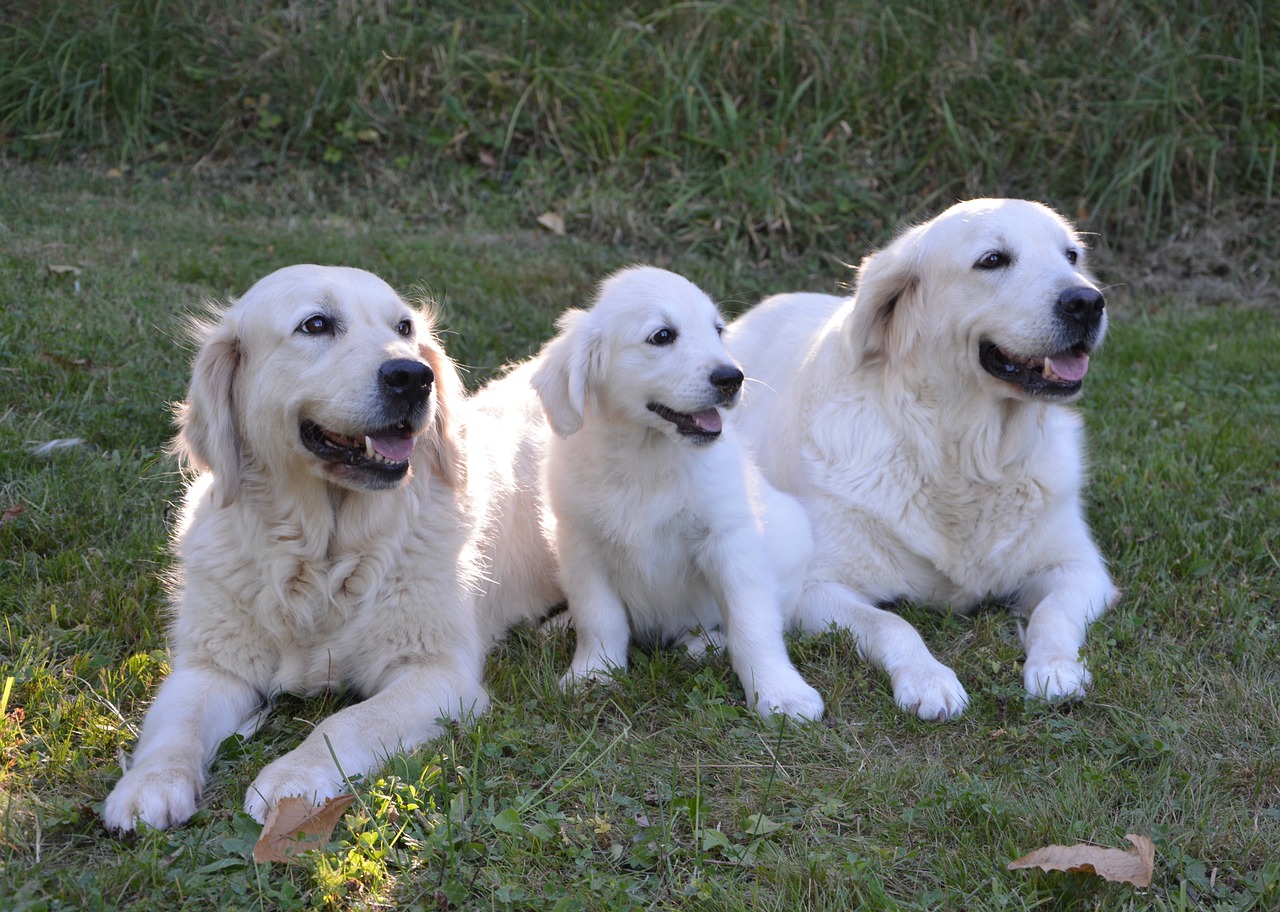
(648,352)
(994,288)
(322,370)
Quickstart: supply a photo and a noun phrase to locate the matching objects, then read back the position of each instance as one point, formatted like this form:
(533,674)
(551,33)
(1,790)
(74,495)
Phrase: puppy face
(319,369)
(993,291)
(649,352)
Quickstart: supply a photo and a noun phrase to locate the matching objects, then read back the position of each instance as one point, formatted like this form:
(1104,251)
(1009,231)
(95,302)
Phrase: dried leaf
(12,513)
(1133,866)
(295,825)
(553,222)
(62,270)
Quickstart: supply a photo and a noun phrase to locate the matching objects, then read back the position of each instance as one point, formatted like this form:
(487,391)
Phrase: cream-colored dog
(664,525)
(924,425)
(340,530)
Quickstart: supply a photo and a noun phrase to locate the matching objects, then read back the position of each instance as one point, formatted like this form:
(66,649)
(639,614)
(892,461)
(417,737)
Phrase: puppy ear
(571,365)
(208,430)
(885,322)
(450,454)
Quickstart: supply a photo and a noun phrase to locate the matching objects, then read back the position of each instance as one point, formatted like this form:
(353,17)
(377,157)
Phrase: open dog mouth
(383,453)
(702,426)
(1058,375)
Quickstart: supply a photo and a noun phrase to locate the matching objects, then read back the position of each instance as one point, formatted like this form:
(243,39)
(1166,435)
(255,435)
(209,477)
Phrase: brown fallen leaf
(553,222)
(1133,866)
(12,513)
(295,825)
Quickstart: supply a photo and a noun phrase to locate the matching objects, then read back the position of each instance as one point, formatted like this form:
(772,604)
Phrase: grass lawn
(665,791)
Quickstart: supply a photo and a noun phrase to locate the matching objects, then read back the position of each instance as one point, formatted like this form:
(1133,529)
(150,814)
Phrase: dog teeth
(368,447)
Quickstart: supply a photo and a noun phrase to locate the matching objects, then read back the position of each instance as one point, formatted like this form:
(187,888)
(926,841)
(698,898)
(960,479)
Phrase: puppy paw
(1060,677)
(796,701)
(287,778)
(158,797)
(576,678)
(932,692)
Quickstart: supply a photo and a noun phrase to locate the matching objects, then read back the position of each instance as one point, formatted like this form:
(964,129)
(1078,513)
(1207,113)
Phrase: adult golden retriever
(924,425)
(664,525)
(341,530)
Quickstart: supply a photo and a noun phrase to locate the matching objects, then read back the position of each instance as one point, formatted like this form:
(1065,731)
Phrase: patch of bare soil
(1227,257)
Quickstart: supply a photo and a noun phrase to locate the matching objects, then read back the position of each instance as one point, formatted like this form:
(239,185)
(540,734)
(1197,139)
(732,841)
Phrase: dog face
(649,352)
(318,369)
(993,289)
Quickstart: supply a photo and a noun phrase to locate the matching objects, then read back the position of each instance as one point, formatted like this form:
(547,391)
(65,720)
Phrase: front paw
(160,797)
(291,777)
(1060,677)
(796,701)
(932,692)
(576,678)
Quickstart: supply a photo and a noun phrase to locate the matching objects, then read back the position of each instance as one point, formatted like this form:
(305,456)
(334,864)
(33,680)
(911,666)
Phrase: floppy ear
(572,363)
(208,430)
(885,322)
(451,460)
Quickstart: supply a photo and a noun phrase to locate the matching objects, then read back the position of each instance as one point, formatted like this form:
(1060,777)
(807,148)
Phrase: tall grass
(770,125)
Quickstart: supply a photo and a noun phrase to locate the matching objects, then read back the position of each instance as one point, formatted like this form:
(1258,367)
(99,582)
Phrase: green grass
(174,153)
(727,125)
(665,791)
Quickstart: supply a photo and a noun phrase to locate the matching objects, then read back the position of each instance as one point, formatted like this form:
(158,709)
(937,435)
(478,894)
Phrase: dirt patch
(1227,257)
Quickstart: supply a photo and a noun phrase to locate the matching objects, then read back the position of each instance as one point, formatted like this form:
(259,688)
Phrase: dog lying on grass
(924,425)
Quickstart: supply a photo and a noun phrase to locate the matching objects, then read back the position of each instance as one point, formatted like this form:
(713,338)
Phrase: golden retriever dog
(663,525)
(338,532)
(924,424)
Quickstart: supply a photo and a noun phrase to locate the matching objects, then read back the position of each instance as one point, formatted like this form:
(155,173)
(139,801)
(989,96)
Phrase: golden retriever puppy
(663,525)
(924,424)
(336,534)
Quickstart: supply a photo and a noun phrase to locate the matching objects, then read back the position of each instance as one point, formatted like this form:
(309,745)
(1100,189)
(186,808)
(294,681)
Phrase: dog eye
(995,259)
(316,325)
(1072,256)
(405,327)
(664,336)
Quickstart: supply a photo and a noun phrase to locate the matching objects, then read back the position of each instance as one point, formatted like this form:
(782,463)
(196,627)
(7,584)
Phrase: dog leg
(753,635)
(921,684)
(599,617)
(197,707)
(358,740)
(1062,603)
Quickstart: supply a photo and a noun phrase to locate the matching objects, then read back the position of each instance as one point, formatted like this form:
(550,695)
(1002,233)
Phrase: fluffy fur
(664,526)
(924,425)
(339,531)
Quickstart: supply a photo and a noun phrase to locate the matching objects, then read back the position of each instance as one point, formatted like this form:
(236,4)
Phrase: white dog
(339,533)
(923,424)
(664,526)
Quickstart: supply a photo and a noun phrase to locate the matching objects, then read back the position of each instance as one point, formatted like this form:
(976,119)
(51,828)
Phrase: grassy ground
(157,155)
(666,791)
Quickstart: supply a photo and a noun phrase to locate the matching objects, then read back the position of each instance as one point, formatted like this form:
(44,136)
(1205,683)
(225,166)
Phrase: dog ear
(208,429)
(885,322)
(450,454)
(572,364)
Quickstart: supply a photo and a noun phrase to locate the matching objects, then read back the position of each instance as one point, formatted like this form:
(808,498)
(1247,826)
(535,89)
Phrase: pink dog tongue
(708,420)
(1067,367)
(396,449)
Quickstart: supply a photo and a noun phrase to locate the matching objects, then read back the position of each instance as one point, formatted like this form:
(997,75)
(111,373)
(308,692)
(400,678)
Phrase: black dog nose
(1081,305)
(404,378)
(727,378)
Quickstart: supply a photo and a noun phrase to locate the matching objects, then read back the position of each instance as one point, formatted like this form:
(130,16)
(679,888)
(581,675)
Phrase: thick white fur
(294,576)
(926,478)
(657,535)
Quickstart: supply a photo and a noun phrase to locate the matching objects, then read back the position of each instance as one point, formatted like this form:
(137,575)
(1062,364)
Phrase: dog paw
(576,678)
(287,778)
(1061,677)
(933,693)
(798,701)
(160,798)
